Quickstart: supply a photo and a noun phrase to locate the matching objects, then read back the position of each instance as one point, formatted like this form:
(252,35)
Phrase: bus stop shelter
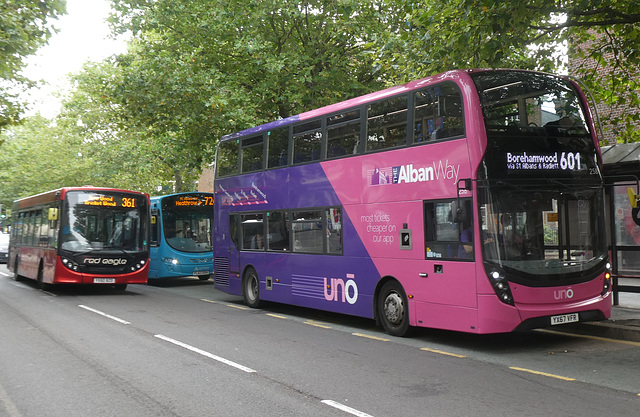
(621,171)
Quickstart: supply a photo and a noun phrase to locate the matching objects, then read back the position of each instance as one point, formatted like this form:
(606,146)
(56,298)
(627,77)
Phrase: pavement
(624,323)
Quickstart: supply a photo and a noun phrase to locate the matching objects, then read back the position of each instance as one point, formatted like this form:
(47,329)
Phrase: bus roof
(160,197)
(452,75)
(353,102)
(58,194)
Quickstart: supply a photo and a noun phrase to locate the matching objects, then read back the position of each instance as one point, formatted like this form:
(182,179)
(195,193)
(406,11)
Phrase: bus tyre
(251,288)
(16,276)
(40,281)
(393,309)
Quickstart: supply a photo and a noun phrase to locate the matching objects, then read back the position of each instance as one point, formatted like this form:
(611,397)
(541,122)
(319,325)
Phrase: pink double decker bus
(471,201)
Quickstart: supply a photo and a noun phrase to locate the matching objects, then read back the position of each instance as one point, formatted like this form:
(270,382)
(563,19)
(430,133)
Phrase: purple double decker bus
(470,201)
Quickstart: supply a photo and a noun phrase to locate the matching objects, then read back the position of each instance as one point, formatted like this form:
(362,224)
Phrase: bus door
(154,249)
(237,230)
(450,253)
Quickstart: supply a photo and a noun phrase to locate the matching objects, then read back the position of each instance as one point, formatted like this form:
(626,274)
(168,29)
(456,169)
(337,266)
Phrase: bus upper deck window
(387,123)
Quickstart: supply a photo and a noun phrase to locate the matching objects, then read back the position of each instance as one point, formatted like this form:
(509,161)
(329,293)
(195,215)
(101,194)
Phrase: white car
(4,248)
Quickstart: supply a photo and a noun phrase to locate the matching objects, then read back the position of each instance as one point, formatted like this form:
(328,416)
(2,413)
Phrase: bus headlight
(606,285)
(171,261)
(138,265)
(70,264)
(501,287)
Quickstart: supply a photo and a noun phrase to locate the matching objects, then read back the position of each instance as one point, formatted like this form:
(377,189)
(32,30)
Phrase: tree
(37,157)
(25,25)
(124,155)
(200,69)
(526,34)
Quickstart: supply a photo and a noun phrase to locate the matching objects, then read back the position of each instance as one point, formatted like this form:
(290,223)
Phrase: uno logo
(349,289)
(563,294)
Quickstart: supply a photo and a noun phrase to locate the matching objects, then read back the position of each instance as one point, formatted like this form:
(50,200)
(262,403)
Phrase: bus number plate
(201,272)
(104,280)
(565,318)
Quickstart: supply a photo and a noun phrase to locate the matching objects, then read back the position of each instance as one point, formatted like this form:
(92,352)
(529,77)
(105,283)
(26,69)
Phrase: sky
(83,36)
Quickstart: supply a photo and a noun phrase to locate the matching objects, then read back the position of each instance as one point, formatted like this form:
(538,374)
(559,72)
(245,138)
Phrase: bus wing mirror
(635,212)
(633,197)
(53,214)
(464,184)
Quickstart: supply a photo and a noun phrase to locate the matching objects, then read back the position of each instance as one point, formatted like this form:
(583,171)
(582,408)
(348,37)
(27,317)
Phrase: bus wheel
(16,277)
(251,288)
(393,309)
(40,283)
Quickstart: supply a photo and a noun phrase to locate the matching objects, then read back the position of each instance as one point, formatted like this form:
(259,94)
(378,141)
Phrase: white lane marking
(7,403)
(205,353)
(346,409)
(93,310)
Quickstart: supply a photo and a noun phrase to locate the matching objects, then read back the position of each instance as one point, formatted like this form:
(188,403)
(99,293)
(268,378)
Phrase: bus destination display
(191,200)
(101,200)
(557,160)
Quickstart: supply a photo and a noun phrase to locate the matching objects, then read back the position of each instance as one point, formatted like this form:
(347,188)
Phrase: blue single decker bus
(181,236)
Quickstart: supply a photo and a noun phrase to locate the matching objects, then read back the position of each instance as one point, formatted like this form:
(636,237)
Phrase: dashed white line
(346,409)
(205,353)
(93,310)
(7,403)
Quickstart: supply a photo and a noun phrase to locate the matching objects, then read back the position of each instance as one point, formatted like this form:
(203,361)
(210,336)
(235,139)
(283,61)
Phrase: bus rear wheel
(40,281)
(251,288)
(393,309)
(16,276)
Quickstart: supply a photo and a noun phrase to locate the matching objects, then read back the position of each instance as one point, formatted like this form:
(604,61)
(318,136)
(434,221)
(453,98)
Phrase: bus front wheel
(251,288)
(393,309)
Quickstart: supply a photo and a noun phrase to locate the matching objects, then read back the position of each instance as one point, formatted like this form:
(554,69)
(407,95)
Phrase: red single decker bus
(81,235)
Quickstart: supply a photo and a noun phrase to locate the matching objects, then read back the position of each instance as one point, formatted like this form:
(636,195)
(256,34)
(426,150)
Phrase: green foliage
(37,157)
(25,25)
(441,35)
(199,69)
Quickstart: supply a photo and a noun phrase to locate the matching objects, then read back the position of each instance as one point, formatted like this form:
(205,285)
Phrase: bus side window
(252,231)
(278,231)
(424,116)
(448,229)
(438,113)
(334,230)
(308,232)
(387,123)
(307,142)
(278,147)
(234,229)
(228,158)
(252,153)
(343,134)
